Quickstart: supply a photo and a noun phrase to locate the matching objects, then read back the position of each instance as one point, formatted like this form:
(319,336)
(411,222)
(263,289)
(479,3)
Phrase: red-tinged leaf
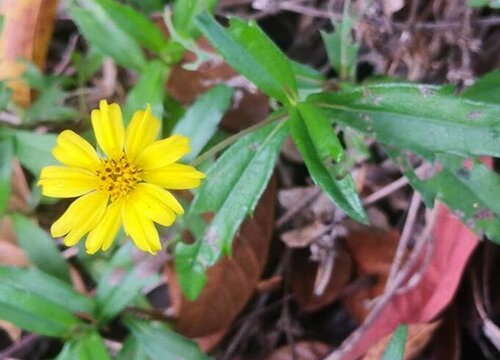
(453,245)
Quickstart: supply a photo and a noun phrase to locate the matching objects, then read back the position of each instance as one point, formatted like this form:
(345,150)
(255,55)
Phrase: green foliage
(200,121)
(248,50)
(100,29)
(161,343)
(485,89)
(185,13)
(494,4)
(26,302)
(150,89)
(6,158)
(40,247)
(89,346)
(47,106)
(318,144)
(117,289)
(342,51)
(396,348)
(233,186)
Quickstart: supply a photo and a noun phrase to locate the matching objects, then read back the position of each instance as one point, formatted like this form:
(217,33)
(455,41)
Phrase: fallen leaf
(453,246)
(232,281)
(304,350)
(13,331)
(372,250)
(26,33)
(303,274)
(418,337)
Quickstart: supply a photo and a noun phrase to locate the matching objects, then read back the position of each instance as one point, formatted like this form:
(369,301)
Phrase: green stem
(232,139)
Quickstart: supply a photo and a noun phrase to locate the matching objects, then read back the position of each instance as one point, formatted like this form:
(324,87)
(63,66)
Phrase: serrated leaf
(250,51)
(33,312)
(99,28)
(161,343)
(200,121)
(6,157)
(46,286)
(40,247)
(417,117)
(150,89)
(396,348)
(342,192)
(232,189)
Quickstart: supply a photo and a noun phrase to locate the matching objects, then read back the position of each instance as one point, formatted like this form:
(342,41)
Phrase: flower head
(126,185)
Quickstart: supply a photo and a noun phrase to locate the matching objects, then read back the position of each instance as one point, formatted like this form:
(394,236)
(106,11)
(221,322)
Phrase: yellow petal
(80,217)
(174,176)
(108,128)
(161,195)
(72,150)
(150,206)
(67,182)
(141,132)
(140,228)
(104,233)
(164,152)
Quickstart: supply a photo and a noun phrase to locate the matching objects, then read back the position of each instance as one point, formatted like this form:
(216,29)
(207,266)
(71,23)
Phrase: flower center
(118,177)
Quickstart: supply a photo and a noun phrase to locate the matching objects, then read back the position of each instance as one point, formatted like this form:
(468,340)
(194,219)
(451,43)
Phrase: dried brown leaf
(304,350)
(232,281)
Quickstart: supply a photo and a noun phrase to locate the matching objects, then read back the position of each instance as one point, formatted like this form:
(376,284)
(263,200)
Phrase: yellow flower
(126,185)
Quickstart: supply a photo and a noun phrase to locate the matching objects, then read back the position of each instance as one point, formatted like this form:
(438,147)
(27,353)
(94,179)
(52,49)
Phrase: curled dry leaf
(26,34)
(418,337)
(232,281)
(304,350)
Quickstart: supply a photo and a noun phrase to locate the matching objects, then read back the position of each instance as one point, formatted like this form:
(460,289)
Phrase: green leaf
(99,28)
(47,287)
(396,348)
(200,121)
(342,51)
(248,50)
(48,104)
(486,89)
(134,24)
(150,89)
(89,346)
(132,350)
(32,149)
(467,187)
(161,343)
(40,247)
(5,94)
(324,139)
(232,189)
(185,12)
(417,117)
(120,284)
(494,4)
(33,312)
(313,148)
(6,157)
